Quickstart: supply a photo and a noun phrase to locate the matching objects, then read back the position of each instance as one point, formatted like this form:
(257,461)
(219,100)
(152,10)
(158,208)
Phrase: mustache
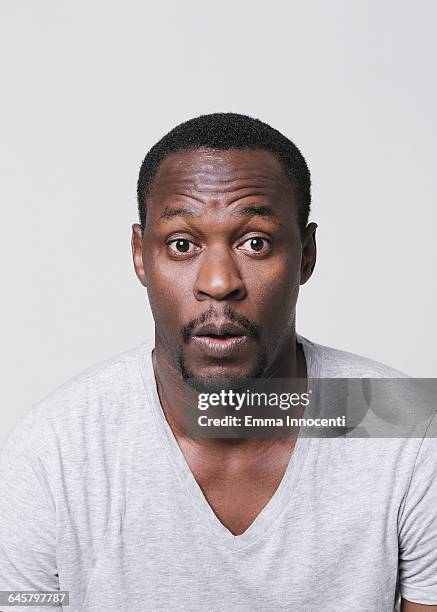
(252,328)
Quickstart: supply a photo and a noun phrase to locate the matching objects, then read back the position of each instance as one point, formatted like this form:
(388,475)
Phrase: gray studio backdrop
(88,87)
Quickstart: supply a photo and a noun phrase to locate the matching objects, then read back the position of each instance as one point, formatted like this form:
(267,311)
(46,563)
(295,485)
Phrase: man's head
(223,244)
(225,131)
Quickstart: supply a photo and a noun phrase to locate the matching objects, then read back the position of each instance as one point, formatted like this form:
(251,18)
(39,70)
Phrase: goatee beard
(214,384)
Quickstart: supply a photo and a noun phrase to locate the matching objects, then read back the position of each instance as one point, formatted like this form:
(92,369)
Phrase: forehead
(217,172)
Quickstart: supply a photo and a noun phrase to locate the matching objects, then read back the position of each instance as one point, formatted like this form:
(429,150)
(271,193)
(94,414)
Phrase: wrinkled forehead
(217,172)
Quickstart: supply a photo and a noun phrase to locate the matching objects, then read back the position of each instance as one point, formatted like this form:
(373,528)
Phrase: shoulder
(329,362)
(95,395)
(106,377)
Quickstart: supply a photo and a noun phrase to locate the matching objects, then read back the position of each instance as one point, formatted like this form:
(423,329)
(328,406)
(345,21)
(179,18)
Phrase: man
(107,494)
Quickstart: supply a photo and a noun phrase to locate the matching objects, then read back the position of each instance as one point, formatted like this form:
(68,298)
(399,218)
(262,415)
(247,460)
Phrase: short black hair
(225,131)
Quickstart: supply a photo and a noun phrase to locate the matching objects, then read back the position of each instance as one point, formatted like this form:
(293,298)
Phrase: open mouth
(219,336)
(219,339)
(219,344)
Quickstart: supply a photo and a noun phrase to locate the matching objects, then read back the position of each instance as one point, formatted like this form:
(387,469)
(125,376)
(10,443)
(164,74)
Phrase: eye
(181,246)
(256,244)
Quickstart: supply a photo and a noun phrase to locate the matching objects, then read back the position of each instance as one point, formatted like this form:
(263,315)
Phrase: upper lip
(222,329)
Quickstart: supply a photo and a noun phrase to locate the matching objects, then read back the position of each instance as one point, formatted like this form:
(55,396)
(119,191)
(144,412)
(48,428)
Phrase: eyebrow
(246,211)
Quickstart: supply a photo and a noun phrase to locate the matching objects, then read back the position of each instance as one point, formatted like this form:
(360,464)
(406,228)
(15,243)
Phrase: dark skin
(217,271)
(220,268)
(408,606)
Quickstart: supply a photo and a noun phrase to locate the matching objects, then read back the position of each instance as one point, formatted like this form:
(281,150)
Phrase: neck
(175,394)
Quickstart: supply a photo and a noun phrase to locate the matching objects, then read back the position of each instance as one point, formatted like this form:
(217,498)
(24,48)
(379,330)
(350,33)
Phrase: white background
(88,87)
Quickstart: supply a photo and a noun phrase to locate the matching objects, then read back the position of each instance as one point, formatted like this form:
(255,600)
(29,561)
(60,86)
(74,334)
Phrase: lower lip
(219,346)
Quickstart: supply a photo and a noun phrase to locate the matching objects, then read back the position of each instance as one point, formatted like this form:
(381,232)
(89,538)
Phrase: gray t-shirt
(97,499)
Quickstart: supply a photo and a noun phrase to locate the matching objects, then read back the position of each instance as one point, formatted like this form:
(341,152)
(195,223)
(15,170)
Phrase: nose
(219,277)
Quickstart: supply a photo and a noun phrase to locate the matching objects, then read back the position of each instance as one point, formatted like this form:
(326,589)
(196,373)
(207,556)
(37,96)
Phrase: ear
(309,253)
(137,253)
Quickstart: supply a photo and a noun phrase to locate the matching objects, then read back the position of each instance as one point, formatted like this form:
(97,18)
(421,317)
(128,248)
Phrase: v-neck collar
(281,498)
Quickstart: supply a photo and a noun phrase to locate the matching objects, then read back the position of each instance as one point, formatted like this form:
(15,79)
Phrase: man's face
(222,259)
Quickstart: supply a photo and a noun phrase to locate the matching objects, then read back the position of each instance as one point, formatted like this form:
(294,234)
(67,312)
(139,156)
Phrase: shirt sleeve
(418,527)
(27,512)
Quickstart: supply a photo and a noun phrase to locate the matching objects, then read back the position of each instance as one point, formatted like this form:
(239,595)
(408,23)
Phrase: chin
(215,384)
(213,379)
